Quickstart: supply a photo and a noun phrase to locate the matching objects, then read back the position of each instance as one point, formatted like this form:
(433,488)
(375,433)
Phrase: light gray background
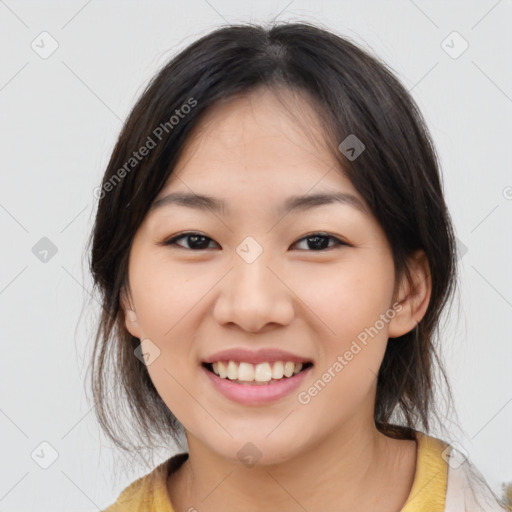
(60,117)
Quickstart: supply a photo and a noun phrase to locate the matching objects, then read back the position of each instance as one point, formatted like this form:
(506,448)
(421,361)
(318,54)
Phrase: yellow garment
(428,490)
(149,493)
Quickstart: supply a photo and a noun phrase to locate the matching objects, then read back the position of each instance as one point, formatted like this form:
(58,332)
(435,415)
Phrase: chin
(258,450)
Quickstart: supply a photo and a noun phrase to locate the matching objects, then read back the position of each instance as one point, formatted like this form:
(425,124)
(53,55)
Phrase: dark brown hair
(397,174)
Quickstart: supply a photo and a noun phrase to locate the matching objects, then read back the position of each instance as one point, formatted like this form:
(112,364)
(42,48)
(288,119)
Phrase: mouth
(261,374)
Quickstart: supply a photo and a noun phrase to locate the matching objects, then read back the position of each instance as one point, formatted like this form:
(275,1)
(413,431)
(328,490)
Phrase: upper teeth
(262,372)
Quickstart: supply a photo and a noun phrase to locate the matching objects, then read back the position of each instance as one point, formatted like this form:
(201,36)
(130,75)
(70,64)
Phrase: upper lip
(259,356)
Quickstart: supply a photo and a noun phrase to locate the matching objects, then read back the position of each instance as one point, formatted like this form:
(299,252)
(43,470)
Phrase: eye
(196,241)
(320,241)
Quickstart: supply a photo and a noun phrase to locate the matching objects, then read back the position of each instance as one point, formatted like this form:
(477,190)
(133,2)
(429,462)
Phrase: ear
(412,297)
(130,316)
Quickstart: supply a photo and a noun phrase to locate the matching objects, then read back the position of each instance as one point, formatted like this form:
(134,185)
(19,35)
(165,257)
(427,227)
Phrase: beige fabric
(465,493)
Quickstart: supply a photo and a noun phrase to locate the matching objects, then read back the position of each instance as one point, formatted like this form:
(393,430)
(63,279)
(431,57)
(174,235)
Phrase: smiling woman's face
(256,279)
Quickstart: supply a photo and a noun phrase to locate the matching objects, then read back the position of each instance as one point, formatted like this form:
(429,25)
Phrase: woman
(274,252)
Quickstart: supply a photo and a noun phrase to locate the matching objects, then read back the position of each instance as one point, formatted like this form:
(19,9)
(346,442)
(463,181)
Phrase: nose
(253,296)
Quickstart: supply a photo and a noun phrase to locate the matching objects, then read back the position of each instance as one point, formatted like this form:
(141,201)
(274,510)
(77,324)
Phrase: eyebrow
(291,204)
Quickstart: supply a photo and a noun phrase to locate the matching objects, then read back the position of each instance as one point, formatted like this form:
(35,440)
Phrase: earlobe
(130,316)
(413,297)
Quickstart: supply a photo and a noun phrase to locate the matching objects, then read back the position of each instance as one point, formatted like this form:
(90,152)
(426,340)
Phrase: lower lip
(254,394)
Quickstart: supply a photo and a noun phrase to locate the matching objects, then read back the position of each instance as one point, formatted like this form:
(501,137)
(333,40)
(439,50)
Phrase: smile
(256,374)
(254,392)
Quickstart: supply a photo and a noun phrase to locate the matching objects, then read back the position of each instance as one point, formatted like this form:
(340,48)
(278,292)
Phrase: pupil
(324,242)
(194,239)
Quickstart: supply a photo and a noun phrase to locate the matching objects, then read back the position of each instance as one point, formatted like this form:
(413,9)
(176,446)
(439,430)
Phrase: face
(311,284)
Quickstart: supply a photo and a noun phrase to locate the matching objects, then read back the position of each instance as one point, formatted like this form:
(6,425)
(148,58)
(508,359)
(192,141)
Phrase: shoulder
(150,491)
(446,480)
(467,489)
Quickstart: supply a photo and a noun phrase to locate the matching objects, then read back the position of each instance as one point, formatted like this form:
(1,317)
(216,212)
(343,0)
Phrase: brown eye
(195,241)
(320,241)
(316,242)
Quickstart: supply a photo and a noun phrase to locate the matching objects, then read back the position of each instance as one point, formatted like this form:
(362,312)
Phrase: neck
(351,470)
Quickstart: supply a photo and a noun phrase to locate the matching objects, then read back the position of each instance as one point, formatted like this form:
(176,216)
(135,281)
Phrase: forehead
(271,145)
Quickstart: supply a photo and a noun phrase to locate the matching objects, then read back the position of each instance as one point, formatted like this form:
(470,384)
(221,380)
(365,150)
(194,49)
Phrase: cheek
(166,377)
(353,343)
(166,293)
(167,299)
(349,300)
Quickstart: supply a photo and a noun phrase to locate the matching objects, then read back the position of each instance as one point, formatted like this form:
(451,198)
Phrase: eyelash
(172,241)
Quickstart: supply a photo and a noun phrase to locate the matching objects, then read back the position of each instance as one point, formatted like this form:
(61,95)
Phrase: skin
(323,455)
